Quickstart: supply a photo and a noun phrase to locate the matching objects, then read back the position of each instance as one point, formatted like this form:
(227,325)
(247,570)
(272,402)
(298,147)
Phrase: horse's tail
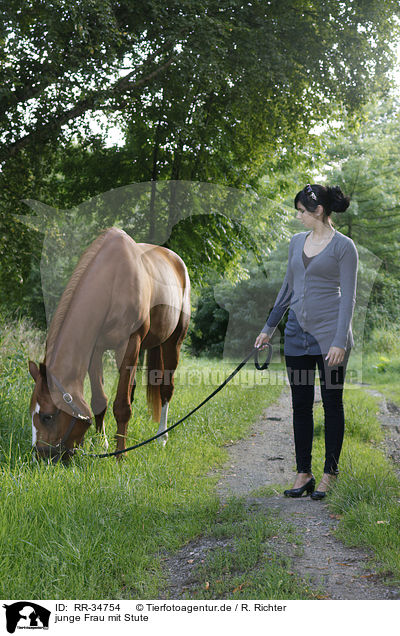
(155,371)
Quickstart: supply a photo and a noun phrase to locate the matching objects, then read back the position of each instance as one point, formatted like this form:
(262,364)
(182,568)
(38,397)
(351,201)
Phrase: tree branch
(89,103)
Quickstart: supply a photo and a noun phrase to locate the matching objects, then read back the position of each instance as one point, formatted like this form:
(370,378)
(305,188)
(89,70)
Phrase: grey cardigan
(321,296)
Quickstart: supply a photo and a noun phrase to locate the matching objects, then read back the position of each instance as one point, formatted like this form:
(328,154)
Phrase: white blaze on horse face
(163,423)
(34,430)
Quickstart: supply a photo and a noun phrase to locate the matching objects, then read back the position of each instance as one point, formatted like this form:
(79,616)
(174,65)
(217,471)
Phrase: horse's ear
(43,372)
(33,370)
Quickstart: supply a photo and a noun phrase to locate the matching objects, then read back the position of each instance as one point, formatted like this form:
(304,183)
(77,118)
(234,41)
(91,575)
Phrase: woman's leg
(332,384)
(301,375)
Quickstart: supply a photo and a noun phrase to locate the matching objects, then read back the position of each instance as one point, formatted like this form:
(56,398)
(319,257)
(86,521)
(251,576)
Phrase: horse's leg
(122,405)
(99,399)
(170,352)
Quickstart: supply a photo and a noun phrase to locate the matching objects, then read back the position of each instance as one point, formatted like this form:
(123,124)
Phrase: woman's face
(302,214)
(309,219)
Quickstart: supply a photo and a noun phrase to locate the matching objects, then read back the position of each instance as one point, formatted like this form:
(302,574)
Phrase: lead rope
(259,367)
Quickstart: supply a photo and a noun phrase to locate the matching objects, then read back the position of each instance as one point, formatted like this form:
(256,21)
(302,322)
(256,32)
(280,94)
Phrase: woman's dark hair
(332,198)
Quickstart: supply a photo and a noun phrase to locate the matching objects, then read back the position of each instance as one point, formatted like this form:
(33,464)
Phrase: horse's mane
(66,298)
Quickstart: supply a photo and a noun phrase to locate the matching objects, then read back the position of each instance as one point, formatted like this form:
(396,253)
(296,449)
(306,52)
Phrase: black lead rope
(259,367)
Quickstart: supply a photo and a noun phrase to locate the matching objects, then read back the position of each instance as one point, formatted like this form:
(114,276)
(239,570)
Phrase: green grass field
(100,529)
(97,528)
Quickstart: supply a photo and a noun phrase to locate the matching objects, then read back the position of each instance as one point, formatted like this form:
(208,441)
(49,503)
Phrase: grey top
(320,295)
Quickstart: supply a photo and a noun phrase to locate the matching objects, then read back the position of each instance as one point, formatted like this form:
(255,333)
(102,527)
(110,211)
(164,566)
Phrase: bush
(386,339)
(229,316)
(208,326)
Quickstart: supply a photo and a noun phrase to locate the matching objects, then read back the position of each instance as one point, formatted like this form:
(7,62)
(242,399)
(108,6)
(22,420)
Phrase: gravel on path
(266,458)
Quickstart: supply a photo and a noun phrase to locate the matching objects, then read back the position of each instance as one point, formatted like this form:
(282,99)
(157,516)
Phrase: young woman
(320,289)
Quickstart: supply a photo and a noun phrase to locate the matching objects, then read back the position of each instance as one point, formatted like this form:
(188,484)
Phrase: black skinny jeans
(301,375)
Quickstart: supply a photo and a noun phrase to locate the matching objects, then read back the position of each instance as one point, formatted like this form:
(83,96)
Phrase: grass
(381,361)
(249,567)
(99,529)
(367,493)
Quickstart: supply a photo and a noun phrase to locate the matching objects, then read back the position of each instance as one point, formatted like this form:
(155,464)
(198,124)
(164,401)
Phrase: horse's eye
(47,418)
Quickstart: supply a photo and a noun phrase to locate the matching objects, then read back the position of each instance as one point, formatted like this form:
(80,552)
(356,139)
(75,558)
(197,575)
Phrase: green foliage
(367,480)
(367,490)
(364,160)
(386,339)
(382,364)
(212,244)
(208,326)
(55,540)
(248,566)
(230,314)
(362,426)
(190,71)
(220,94)
(384,309)
(367,498)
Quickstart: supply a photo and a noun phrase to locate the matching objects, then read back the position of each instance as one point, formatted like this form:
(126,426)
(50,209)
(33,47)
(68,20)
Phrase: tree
(260,66)
(364,159)
(211,92)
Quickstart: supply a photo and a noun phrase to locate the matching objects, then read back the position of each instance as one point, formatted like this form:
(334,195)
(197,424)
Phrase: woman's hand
(335,356)
(261,341)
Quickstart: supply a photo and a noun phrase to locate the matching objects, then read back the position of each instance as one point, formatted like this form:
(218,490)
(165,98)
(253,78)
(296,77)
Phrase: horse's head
(55,431)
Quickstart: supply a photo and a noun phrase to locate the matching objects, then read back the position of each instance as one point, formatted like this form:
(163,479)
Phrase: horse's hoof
(163,440)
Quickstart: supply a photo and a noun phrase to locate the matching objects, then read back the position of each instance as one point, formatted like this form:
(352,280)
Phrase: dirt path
(266,458)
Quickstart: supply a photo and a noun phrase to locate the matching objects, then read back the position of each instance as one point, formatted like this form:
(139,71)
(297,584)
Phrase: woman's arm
(348,265)
(282,301)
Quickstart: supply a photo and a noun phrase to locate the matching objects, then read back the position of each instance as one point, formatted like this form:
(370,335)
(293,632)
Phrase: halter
(76,415)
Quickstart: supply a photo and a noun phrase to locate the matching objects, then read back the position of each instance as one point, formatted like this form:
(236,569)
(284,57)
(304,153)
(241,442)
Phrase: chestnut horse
(122,296)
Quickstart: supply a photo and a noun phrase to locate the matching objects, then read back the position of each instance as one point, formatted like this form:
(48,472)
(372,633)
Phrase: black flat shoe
(297,492)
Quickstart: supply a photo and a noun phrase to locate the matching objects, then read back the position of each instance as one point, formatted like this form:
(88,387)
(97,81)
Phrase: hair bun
(338,202)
